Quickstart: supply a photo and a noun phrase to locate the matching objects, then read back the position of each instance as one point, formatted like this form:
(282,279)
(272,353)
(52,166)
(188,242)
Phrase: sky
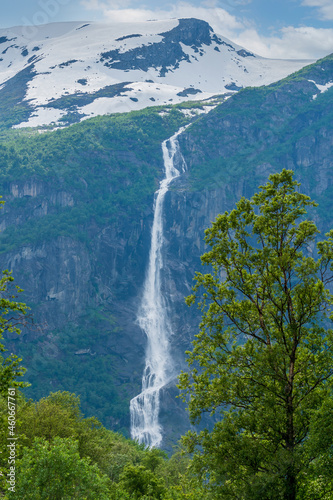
(288,29)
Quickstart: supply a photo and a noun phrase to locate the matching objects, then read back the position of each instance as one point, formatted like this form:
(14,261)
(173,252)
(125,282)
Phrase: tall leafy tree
(263,359)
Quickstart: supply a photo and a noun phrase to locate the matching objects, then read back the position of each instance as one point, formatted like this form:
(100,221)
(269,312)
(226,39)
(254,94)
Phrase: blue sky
(272,28)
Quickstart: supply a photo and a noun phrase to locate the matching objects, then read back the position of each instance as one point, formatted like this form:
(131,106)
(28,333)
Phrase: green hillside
(261,130)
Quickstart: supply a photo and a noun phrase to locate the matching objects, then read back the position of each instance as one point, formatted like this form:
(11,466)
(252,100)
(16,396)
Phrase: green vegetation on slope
(110,166)
(76,360)
(263,129)
(13,108)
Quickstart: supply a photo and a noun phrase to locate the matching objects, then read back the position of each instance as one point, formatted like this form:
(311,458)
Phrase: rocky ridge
(63,73)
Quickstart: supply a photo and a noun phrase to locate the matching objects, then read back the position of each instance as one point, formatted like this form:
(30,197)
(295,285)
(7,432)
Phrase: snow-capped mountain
(88,69)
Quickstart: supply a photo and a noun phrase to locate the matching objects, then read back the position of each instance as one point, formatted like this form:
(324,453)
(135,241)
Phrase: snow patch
(42,116)
(322,88)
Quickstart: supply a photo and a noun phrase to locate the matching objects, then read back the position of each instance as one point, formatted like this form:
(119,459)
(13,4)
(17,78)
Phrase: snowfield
(154,63)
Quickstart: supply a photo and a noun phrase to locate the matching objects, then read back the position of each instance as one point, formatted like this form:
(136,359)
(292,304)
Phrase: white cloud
(181,9)
(325,8)
(288,43)
(293,43)
(219,18)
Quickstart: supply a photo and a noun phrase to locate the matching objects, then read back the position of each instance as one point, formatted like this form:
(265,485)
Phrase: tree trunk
(290,485)
(291,479)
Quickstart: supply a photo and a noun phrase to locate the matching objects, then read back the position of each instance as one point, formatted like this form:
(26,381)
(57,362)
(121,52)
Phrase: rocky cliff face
(69,286)
(259,131)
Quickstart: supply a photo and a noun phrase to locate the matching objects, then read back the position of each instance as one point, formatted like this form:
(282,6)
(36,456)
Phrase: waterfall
(153,317)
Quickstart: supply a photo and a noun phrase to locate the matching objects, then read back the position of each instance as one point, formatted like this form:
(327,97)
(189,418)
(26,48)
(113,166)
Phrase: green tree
(55,471)
(57,415)
(154,459)
(262,361)
(317,480)
(141,483)
(11,316)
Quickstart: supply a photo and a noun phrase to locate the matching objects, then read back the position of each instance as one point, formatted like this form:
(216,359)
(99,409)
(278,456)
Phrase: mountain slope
(258,131)
(71,71)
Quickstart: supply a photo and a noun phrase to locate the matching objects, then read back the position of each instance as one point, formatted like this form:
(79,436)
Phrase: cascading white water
(154,320)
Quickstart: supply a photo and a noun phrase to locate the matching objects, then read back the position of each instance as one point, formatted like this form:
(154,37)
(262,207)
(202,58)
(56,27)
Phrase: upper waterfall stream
(153,317)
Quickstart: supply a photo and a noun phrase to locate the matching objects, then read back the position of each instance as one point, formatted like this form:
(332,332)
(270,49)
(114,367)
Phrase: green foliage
(180,481)
(316,482)
(58,415)
(154,459)
(11,316)
(262,362)
(139,482)
(10,369)
(55,471)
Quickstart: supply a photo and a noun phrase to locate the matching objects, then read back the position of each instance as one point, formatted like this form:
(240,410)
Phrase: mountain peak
(70,72)
(191,32)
